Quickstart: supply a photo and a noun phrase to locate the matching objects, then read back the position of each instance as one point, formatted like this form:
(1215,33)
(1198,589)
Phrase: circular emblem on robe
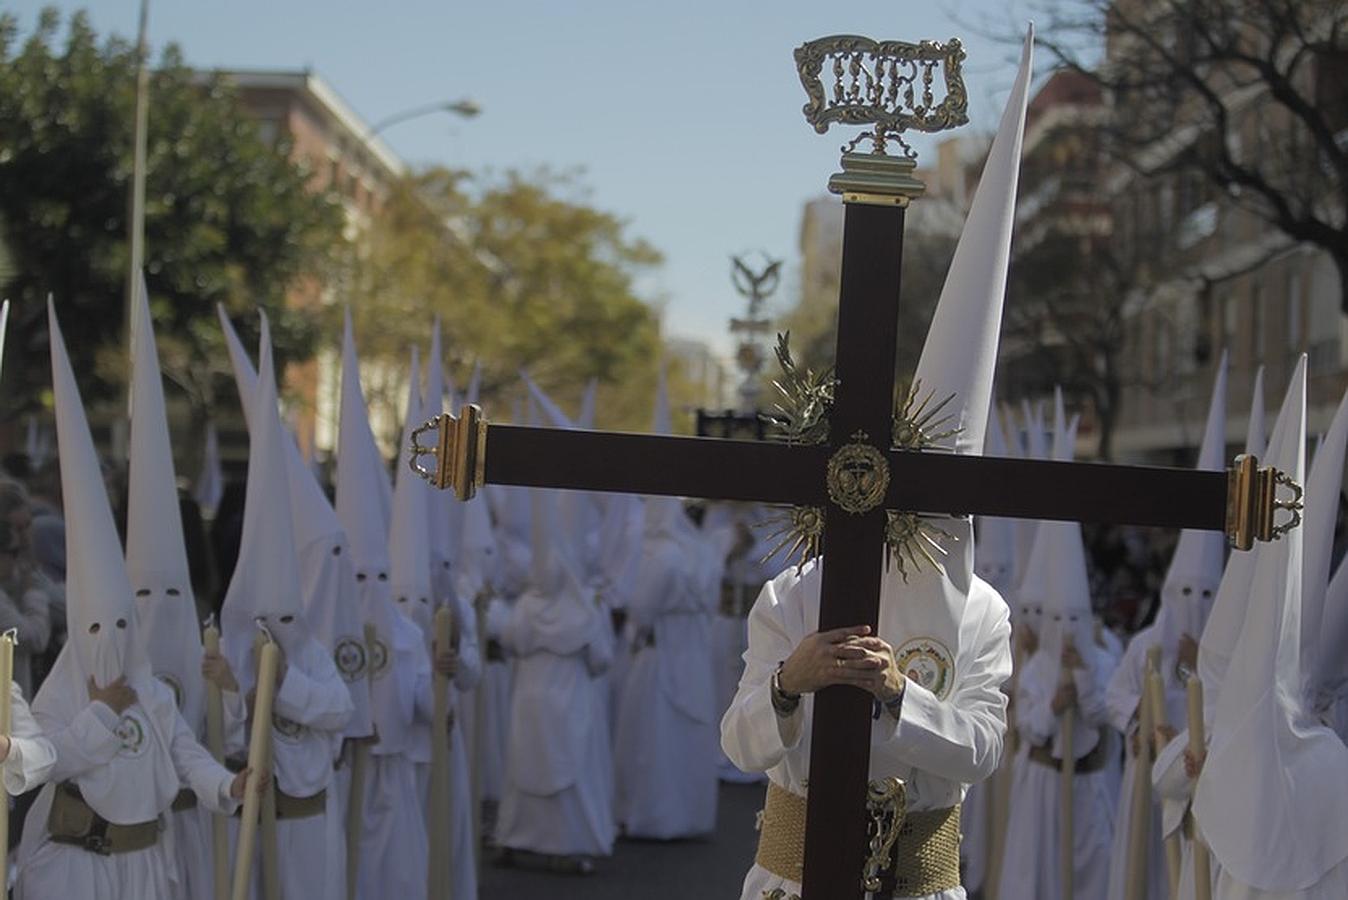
(927,662)
(379,658)
(349,655)
(174,686)
(131,732)
(858,476)
(286,729)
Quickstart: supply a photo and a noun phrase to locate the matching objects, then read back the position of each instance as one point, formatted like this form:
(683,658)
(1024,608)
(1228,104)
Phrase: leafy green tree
(229,218)
(524,274)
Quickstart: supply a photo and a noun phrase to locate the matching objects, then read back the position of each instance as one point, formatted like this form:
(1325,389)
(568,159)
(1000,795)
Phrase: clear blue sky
(684,116)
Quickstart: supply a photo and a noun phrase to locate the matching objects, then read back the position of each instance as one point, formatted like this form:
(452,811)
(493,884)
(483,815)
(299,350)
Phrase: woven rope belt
(925,859)
(72,821)
(1091,762)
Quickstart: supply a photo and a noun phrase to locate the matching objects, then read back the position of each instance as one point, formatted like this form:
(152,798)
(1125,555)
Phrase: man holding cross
(937,660)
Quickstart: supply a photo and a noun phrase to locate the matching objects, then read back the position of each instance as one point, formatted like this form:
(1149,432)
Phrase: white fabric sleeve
(959,738)
(423,697)
(470,656)
(1034,707)
(88,741)
(1167,773)
(753,735)
(1091,694)
(1124,692)
(31,756)
(236,723)
(321,702)
(199,771)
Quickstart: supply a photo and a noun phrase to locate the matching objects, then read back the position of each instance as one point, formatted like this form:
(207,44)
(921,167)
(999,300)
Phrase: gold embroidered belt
(1091,762)
(925,857)
(72,821)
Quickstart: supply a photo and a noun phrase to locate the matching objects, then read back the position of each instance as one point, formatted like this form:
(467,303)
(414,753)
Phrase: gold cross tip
(459,451)
(1253,503)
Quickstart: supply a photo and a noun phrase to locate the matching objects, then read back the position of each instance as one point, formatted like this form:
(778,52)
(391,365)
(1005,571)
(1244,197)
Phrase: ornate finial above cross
(889,86)
(855,470)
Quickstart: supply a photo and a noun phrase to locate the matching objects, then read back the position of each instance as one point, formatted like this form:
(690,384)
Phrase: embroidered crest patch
(349,655)
(131,732)
(286,729)
(379,658)
(928,662)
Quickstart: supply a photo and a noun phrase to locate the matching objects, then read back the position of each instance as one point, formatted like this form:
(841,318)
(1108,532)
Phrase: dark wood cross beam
(470,453)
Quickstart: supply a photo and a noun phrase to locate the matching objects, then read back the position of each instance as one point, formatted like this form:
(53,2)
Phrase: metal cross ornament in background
(751,330)
(854,468)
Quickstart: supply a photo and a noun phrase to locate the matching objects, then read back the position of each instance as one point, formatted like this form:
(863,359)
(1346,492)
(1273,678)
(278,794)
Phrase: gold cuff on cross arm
(1252,503)
(460,451)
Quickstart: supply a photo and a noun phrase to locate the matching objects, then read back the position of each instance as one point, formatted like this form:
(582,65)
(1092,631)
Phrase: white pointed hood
(1271,796)
(98,591)
(364,494)
(478,563)
(1195,573)
(665,515)
(959,358)
(444,512)
(364,507)
(156,554)
(1059,583)
(103,641)
(1331,682)
(265,587)
(1233,593)
(995,547)
(210,484)
(960,354)
(588,408)
(327,587)
(1324,486)
(409,544)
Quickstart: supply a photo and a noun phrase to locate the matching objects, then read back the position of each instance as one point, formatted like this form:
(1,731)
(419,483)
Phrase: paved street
(710,868)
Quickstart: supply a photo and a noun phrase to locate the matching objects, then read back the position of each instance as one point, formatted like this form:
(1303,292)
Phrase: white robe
(557,797)
(31,755)
(939,746)
(490,737)
(83,744)
(1032,862)
(393,846)
(665,759)
(1122,697)
(463,858)
(311,709)
(1174,791)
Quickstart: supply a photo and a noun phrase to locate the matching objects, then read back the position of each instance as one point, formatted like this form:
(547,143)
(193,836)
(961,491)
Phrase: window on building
(1324,322)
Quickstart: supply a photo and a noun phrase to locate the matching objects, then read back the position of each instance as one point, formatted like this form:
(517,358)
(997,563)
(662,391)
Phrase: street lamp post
(466,108)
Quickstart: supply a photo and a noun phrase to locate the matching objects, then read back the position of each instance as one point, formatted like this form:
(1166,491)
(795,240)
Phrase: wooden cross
(469,454)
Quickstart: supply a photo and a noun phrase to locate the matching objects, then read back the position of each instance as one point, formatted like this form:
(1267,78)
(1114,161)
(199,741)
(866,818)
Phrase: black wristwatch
(785,704)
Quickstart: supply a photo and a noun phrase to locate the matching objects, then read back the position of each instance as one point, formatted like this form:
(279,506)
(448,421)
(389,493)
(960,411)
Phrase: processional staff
(360,763)
(858,471)
(215,742)
(438,804)
(7,641)
(258,754)
(1197,747)
(1156,691)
